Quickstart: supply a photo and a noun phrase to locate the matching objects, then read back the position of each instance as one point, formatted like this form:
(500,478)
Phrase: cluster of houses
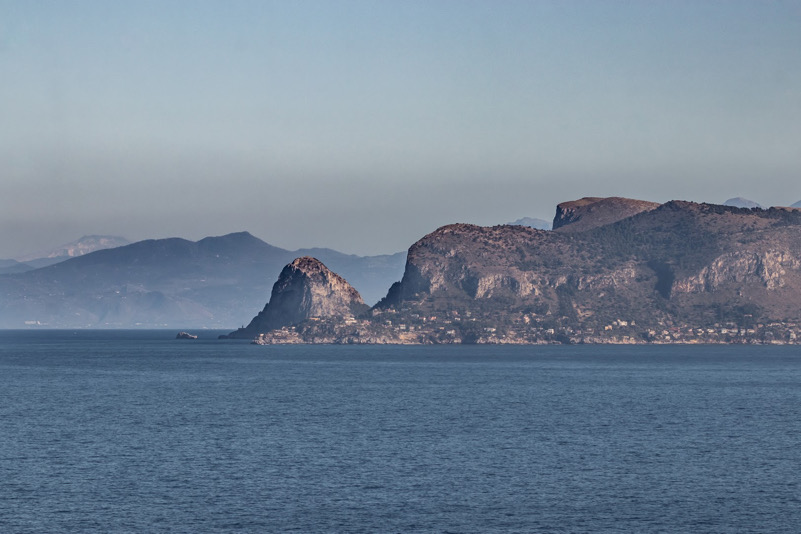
(404,327)
(452,327)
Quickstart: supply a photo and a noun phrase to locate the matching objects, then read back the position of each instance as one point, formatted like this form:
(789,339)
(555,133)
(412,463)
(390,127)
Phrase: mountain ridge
(215,282)
(678,265)
(678,272)
(84,245)
(663,261)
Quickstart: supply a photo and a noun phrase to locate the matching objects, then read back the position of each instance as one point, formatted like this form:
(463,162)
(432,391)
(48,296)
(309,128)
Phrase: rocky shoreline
(365,332)
(613,271)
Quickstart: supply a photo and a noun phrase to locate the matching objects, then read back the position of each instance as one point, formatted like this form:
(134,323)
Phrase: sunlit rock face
(766,267)
(679,262)
(305,289)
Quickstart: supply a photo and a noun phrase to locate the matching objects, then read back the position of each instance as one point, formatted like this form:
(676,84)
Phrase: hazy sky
(363,126)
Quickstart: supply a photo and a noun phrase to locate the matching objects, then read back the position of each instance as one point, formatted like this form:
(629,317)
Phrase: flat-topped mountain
(678,263)
(593,212)
(306,289)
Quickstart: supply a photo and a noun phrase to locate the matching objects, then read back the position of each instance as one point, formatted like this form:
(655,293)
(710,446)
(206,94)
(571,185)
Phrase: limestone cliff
(676,263)
(616,271)
(306,290)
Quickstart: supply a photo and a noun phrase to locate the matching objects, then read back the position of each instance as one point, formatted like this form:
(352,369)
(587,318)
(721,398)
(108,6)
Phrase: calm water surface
(139,432)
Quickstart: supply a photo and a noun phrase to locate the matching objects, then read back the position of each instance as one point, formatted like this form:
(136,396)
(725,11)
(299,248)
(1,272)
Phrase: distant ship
(185,335)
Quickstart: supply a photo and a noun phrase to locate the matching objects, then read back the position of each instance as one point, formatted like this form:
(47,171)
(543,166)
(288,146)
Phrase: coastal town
(395,327)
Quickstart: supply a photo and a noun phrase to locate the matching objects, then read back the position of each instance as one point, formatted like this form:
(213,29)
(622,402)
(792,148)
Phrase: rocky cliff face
(594,212)
(765,268)
(678,272)
(678,263)
(306,289)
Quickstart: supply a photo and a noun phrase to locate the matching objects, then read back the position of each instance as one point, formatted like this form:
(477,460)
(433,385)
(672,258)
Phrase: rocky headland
(306,290)
(613,271)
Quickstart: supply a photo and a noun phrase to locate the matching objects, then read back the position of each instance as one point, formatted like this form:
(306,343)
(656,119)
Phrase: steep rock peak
(311,266)
(593,212)
(305,289)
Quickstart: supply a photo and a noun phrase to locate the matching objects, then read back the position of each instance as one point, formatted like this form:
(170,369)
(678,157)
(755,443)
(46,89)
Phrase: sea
(136,431)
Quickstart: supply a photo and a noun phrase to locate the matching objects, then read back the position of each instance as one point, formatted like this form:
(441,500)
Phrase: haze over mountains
(13,266)
(532,222)
(214,282)
(740,202)
(79,247)
(222,281)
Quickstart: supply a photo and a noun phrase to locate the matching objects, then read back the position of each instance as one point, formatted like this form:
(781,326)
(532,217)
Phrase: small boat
(185,335)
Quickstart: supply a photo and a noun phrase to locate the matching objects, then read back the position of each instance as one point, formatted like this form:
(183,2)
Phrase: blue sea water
(133,431)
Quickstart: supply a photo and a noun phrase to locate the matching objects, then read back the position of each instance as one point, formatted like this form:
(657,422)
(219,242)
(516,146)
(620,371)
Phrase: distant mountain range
(531,222)
(79,247)
(217,282)
(678,263)
(13,266)
(84,245)
(740,202)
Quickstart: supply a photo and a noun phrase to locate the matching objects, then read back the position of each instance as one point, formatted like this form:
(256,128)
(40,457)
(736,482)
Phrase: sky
(364,125)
